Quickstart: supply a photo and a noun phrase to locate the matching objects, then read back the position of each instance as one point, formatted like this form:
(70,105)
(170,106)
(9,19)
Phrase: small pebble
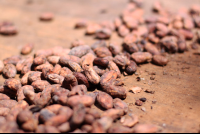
(143,99)
(143,109)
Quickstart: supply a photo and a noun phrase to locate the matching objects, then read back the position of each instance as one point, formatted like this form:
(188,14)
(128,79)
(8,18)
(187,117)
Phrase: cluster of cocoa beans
(58,88)
(164,32)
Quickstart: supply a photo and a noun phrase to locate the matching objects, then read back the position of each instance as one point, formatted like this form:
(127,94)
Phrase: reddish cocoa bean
(9,71)
(12,60)
(121,61)
(4,97)
(30,125)
(151,49)
(186,33)
(113,113)
(70,81)
(80,51)
(132,68)
(86,128)
(56,69)
(26,68)
(4,111)
(123,31)
(160,60)
(91,75)
(39,60)
(55,78)
(101,62)
(81,79)
(113,66)
(99,70)
(53,59)
(13,84)
(138,103)
(20,92)
(46,16)
(42,66)
(78,115)
(83,99)
(105,100)
(65,71)
(26,49)
(44,53)
(64,114)
(130,120)
(33,76)
(102,52)
(73,66)
(24,116)
(141,57)
(77,43)
(114,49)
(103,33)
(94,112)
(40,85)
(8,103)
(92,28)
(170,44)
(119,104)
(24,79)
(78,90)
(64,59)
(89,119)
(64,128)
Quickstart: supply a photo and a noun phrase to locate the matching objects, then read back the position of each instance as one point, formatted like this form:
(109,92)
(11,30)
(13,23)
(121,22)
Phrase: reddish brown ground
(177,93)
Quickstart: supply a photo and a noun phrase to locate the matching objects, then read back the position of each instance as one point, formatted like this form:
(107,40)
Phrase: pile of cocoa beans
(59,87)
(163,32)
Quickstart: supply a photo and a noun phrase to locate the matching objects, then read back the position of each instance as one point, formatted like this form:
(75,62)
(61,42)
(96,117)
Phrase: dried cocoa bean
(26,49)
(141,57)
(105,100)
(81,79)
(53,59)
(83,99)
(119,104)
(40,85)
(132,68)
(12,60)
(9,71)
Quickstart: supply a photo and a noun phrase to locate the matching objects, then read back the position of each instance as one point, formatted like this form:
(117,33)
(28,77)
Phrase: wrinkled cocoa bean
(9,71)
(105,100)
(160,60)
(27,49)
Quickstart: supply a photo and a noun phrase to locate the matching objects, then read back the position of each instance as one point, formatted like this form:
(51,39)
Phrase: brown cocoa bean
(132,68)
(78,90)
(33,76)
(83,99)
(102,52)
(4,112)
(113,113)
(42,66)
(170,44)
(24,79)
(13,84)
(89,119)
(130,120)
(53,59)
(78,115)
(20,92)
(65,71)
(103,33)
(123,31)
(151,49)
(64,128)
(4,97)
(24,116)
(46,16)
(64,114)
(113,66)
(77,43)
(80,51)
(105,100)
(92,28)
(101,62)
(39,60)
(26,49)
(55,78)
(121,61)
(40,85)
(86,128)
(99,70)
(12,60)
(8,103)
(44,53)
(70,81)
(119,104)
(141,57)
(9,71)
(81,79)
(91,75)
(160,60)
